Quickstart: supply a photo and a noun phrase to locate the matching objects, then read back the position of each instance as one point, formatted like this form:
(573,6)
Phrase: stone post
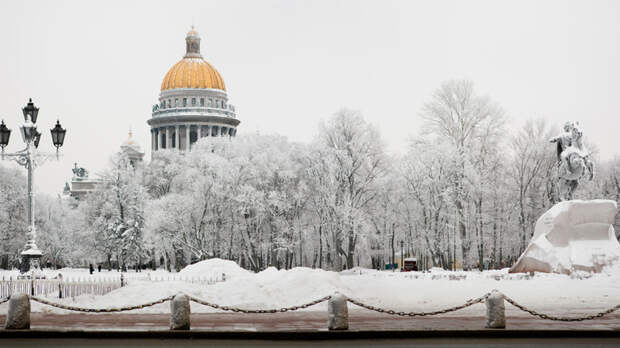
(337,312)
(179,312)
(18,317)
(496,313)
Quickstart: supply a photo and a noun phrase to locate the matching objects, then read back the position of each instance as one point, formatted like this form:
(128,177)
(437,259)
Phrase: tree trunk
(465,242)
(321,246)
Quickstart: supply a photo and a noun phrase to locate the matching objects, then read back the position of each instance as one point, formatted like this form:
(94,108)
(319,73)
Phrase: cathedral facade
(193,103)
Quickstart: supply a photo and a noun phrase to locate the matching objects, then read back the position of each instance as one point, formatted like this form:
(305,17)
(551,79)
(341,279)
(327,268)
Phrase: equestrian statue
(574,161)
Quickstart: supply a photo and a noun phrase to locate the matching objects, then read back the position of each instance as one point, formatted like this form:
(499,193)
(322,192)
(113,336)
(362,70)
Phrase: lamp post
(31,159)
(402,256)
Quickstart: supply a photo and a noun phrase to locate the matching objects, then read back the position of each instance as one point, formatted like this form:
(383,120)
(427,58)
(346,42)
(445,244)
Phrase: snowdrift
(214,268)
(572,236)
(582,292)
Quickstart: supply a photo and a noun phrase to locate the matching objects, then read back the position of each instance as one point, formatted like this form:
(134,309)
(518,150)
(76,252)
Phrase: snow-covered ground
(413,291)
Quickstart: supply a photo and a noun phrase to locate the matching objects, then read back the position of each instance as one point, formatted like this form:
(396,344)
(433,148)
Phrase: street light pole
(402,256)
(30,158)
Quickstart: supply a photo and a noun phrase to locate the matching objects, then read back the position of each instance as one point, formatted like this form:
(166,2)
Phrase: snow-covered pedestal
(572,236)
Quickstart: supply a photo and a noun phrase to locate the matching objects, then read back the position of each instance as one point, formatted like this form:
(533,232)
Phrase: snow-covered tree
(13,225)
(356,152)
(458,115)
(116,213)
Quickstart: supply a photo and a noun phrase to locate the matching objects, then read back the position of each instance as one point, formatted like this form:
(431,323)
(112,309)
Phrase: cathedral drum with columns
(192,104)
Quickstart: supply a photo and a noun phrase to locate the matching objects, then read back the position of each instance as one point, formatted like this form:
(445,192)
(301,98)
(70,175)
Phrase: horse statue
(79,173)
(573,161)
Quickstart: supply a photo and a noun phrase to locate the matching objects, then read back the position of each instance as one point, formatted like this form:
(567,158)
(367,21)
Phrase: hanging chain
(468,303)
(550,317)
(258,311)
(100,310)
(420,314)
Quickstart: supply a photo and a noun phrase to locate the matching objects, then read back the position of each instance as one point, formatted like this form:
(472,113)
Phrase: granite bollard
(18,317)
(337,312)
(496,312)
(179,312)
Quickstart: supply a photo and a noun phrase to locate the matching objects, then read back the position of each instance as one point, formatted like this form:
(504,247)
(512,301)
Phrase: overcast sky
(287,65)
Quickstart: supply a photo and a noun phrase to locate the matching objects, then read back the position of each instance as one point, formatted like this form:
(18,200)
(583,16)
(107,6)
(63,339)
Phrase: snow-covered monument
(573,235)
(193,103)
(82,184)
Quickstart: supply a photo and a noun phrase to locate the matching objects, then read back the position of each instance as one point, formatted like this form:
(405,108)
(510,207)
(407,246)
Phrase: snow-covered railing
(181,278)
(73,287)
(58,287)
(338,318)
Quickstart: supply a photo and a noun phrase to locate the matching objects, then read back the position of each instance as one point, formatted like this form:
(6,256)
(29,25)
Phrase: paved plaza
(309,320)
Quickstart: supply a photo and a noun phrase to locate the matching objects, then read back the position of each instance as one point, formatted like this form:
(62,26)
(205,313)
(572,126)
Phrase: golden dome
(192,73)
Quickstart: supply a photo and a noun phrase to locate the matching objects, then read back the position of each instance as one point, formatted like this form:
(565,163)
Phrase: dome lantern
(192,44)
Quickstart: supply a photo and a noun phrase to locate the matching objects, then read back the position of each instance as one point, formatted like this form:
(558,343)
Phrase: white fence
(179,278)
(95,286)
(58,288)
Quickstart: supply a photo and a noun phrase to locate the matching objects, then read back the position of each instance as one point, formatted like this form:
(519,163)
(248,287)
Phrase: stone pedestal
(572,236)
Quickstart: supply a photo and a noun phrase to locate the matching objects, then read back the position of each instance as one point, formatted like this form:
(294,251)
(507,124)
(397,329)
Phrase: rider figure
(564,140)
(577,142)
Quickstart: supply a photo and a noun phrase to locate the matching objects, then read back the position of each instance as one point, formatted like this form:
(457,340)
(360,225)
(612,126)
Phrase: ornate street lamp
(58,135)
(37,138)
(5,134)
(31,159)
(30,110)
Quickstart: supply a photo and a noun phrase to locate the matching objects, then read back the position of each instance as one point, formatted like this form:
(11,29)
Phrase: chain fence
(361,304)
(550,317)
(468,303)
(259,311)
(100,310)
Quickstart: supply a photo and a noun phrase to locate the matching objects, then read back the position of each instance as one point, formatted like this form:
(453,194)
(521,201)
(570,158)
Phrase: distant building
(81,184)
(132,150)
(193,103)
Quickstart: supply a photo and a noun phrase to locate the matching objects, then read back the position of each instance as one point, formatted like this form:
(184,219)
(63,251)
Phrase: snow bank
(214,268)
(268,289)
(573,236)
(551,293)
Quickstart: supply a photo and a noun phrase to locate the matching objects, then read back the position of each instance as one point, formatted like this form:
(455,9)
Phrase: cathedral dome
(192,71)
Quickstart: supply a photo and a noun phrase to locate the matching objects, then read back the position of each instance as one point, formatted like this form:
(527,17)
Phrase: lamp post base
(30,261)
